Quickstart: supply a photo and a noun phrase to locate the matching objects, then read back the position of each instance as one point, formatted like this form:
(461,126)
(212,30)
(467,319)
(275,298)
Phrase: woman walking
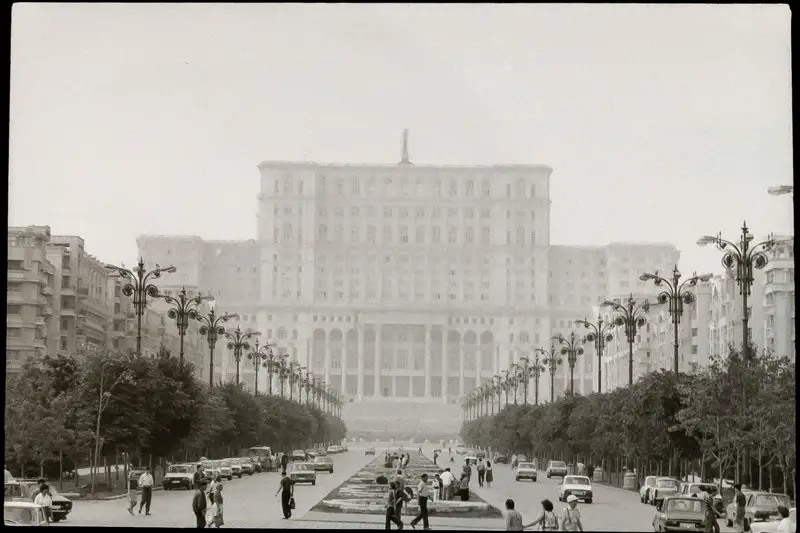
(547,519)
(216,509)
(133,497)
(286,488)
(392,514)
(489,475)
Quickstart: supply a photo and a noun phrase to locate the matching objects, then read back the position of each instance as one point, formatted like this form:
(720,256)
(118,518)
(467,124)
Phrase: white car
(225,469)
(303,473)
(647,487)
(578,486)
(179,477)
(771,526)
(24,514)
(525,471)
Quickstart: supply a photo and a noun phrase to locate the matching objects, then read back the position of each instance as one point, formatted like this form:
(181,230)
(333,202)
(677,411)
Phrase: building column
(360,377)
(427,361)
(327,357)
(394,386)
(461,368)
(445,366)
(344,363)
(377,366)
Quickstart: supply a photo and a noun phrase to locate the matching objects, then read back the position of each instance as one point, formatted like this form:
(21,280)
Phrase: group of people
(145,483)
(203,490)
(547,520)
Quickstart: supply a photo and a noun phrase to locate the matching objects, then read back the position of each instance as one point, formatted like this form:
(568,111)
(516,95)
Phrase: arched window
(486,236)
(387,234)
(354,234)
(420,235)
(468,235)
(453,236)
(371,187)
(533,238)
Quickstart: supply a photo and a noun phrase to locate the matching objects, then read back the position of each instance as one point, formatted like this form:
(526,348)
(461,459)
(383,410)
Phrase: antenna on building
(405,160)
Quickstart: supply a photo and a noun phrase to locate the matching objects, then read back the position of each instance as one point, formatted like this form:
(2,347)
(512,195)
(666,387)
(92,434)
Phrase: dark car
(679,513)
(23,490)
(323,464)
(501,459)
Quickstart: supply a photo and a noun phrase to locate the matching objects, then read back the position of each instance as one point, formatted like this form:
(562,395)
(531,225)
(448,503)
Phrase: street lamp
(507,383)
(212,329)
(295,374)
(182,311)
(523,371)
(496,384)
(631,316)
(552,363)
(258,357)
(599,335)
(676,295)
(572,349)
(238,343)
(746,259)
(138,285)
(535,369)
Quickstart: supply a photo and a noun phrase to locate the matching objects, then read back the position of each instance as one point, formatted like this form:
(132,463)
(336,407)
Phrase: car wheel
(313,483)
(56,518)
(589,500)
(548,476)
(516,479)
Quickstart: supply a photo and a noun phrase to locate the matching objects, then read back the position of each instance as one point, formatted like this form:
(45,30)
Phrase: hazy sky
(660,122)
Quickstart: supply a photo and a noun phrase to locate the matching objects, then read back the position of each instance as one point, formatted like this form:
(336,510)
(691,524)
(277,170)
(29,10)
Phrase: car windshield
(22,515)
(576,480)
(526,466)
(179,469)
(207,464)
(299,452)
(322,460)
(685,505)
(558,464)
(301,467)
(226,464)
(667,484)
(650,481)
(771,500)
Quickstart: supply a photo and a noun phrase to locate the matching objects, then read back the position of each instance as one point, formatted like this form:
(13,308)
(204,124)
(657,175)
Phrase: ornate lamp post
(496,386)
(572,349)
(272,357)
(238,343)
(676,294)
(524,375)
(746,258)
(212,329)
(138,285)
(259,357)
(631,316)
(507,383)
(552,363)
(295,374)
(282,367)
(535,370)
(599,335)
(182,311)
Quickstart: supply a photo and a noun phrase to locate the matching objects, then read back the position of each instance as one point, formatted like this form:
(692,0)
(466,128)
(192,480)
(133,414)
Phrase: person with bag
(547,519)
(199,506)
(215,517)
(571,521)
(391,515)
(286,489)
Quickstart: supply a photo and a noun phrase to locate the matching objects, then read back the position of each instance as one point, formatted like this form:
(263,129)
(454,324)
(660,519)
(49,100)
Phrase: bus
(262,455)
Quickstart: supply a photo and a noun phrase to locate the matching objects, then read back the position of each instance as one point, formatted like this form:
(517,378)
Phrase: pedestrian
(44,499)
(466,470)
(481,468)
(710,511)
(590,471)
(212,488)
(284,461)
(452,460)
(146,482)
(133,496)
(513,518)
(547,519)
(464,488)
(489,475)
(437,488)
(785,525)
(199,506)
(395,464)
(741,501)
(197,475)
(391,498)
(399,480)
(422,499)
(447,484)
(286,488)
(217,509)
(571,520)
(435,457)
(39,484)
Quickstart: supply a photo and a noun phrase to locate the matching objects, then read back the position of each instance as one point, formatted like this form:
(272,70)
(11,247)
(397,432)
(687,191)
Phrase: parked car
(344,446)
(471,458)
(525,471)
(211,469)
(20,513)
(687,489)
(248,466)
(501,459)
(578,486)
(236,466)
(644,491)
(763,506)
(665,486)
(771,526)
(555,469)
(299,455)
(303,473)
(225,469)
(679,513)
(180,476)
(24,489)
(369,450)
(323,464)
(333,449)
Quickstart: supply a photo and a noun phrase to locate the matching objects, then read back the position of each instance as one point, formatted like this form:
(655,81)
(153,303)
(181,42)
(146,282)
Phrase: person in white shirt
(571,520)
(422,498)
(786,525)
(44,499)
(447,483)
(146,483)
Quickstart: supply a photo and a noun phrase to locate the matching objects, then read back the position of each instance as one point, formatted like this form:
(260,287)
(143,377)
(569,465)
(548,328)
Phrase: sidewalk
(482,524)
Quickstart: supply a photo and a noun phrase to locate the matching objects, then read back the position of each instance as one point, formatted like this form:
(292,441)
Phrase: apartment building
(31,328)
(779,300)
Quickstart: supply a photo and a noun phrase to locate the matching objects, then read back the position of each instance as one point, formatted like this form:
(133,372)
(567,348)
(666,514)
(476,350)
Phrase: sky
(662,123)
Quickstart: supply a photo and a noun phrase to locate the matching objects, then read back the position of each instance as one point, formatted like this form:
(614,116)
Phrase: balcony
(47,310)
(19,298)
(14,321)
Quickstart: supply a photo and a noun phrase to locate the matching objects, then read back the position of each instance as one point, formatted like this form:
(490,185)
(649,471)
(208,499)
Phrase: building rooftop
(311,165)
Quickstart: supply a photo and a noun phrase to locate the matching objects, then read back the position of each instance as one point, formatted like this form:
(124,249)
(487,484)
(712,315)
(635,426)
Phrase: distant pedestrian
(481,468)
(198,475)
(286,490)
(422,499)
(466,470)
(489,475)
(435,457)
(547,519)
(437,488)
(284,461)
(391,516)
(513,518)
(199,506)
(590,471)
(133,496)
(571,520)
(146,482)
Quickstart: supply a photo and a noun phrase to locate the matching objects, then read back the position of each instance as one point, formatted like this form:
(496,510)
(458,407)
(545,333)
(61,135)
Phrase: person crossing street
(422,498)
(146,482)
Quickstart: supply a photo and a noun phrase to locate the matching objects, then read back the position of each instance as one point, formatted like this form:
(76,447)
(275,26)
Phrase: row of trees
(70,409)
(666,423)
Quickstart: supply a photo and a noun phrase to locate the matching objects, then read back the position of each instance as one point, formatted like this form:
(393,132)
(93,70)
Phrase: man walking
(740,500)
(199,506)
(422,498)
(146,482)
(447,483)
(481,472)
